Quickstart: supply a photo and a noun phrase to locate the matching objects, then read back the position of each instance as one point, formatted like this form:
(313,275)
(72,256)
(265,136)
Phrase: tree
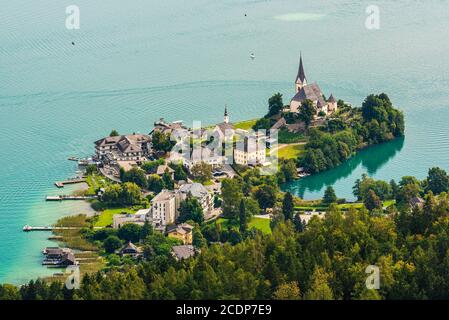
(198,240)
(191,209)
(437,181)
(275,104)
(297,221)
(136,175)
(155,183)
(9,292)
(146,230)
(287,291)
(266,196)
(131,194)
(307,112)
(114,133)
(319,288)
(329,195)
(111,244)
(288,207)
(167,180)
(161,142)
(91,169)
(242,217)
(130,232)
(288,168)
(202,171)
(231,191)
(180,173)
(372,201)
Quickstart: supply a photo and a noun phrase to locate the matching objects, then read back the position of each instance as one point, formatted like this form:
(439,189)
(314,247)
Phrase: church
(312,92)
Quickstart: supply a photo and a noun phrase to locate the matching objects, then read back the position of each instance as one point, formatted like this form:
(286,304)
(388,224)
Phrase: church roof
(331,98)
(301,74)
(309,92)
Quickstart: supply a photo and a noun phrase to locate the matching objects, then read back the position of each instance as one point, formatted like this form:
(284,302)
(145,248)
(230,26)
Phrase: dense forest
(351,129)
(325,259)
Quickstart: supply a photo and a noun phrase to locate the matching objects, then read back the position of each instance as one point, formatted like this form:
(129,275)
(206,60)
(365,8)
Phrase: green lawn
(291,151)
(105,218)
(285,136)
(258,223)
(245,125)
(344,206)
(261,224)
(96,181)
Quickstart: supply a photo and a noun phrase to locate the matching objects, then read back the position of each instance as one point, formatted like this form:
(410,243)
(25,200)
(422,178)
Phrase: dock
(60,184)
(28,228)
(69,197)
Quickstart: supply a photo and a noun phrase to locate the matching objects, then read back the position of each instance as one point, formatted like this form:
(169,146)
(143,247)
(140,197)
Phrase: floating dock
(68,197)
(60,184)
(28,228)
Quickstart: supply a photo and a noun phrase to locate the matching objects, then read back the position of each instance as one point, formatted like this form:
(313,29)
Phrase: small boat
(73,159)
(252,56)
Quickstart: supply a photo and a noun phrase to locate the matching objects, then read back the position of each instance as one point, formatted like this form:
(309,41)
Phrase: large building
(198,191)
(164,207)
(133,147)
(251,150)
(312,92)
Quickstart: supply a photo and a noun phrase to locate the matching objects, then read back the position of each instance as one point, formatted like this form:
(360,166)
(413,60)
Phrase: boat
(252,56)
(73,159)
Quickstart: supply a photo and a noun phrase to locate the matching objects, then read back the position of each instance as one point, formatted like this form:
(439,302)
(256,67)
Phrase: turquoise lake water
(133,63)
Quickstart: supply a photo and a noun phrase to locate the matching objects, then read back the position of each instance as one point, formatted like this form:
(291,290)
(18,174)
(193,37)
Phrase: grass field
(285,136)
(96,181)
(290,151)
(344,206)
(245,125)
(105,218)
(258,223)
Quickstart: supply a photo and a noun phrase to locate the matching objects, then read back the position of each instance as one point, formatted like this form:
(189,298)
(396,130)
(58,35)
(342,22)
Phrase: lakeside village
(198,186)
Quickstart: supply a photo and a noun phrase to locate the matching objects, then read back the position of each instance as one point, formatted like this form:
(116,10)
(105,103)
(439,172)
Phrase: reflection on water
(371,159)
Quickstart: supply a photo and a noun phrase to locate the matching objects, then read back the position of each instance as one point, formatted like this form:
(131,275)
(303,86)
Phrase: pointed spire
(226,116)
(301,74)
(331,98)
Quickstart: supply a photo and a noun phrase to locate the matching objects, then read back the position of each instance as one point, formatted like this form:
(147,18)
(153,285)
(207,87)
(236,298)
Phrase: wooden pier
(69,197)
(28,228)
(60,184)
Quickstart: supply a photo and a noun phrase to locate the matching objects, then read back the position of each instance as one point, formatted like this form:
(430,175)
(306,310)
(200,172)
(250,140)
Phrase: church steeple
(226,116)
(301,80)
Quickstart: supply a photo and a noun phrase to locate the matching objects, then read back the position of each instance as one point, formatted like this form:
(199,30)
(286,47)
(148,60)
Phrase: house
(119,220)
(132,147)
(204,154)
(165,127)
(182,232)
(183,252)
(417,202)
(164,207)
(198,191)
(162,168)
(56,256)
(312,92)
(252,150)
(130,250)
(225,129)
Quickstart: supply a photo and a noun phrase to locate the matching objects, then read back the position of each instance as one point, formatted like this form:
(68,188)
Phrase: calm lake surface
(136,62)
